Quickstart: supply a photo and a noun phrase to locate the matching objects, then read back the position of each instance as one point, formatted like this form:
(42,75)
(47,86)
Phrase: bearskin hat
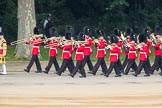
(113,38)
(69,29)
(146,32)
(81,36)
(133,37)
(117,32)
(99,32)
(68,36)
(53,32)
(129,31)
(36,30)
(142,38)
(87,31)
(158,30)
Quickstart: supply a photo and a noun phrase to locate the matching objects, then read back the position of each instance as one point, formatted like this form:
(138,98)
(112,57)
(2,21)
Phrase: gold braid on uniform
(3,50)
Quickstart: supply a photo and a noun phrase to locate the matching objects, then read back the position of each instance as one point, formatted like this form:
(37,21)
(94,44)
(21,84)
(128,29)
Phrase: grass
(44,55)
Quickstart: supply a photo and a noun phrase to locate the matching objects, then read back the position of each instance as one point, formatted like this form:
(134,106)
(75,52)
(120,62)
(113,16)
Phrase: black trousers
(148,63)
(88,61)
(36,60)
(79,65)
(141,65)
(52,60)
(100,62)
(65,63)
(130,64)
(120,65)
(113,65)
(125,61)
(70,64)
(157,64)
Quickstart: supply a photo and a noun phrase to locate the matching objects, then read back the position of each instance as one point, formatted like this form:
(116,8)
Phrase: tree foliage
(107,14)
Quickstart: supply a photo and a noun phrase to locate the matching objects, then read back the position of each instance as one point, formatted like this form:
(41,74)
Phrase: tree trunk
(26,23)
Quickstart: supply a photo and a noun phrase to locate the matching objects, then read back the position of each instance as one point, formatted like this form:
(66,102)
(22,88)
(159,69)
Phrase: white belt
(143,53)
(101,49)
(132,51)
(35,46)
(114,54)
(79,53)
(86,47)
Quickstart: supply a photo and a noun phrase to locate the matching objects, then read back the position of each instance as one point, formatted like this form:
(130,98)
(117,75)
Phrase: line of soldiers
(82,46)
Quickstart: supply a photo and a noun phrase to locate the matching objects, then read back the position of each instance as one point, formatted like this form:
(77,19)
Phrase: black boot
(26,70)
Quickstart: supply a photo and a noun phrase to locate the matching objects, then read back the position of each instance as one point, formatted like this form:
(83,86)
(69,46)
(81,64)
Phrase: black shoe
(146,75)
(125,73)
(118,75)
(82,76)
(38,71)
(45,72)
(106,75)
(59,74)
(135,75)
(26,70)
(72,75)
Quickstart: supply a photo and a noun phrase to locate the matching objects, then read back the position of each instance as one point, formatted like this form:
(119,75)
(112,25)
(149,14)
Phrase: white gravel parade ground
(32,90)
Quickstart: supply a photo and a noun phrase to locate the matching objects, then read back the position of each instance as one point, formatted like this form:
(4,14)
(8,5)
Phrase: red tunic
(53,48)
(142,52)
(157,50)
(79,55)
(66,53)
(88,45)
(35,45)
(119,44)
(113,54)
(148,46)
(132,52)
(101,49)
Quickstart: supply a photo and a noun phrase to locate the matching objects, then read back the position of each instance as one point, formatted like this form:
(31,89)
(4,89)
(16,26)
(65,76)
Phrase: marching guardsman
(119,44)
(47,25)
(142,48)
(87,48)
(101,52)
(113,58)
(70,29)
(79,56)
(131,54)
(157,52)
(129,31)
(52,43)
(36,42)
(3,51)
(148,43)
(66,54)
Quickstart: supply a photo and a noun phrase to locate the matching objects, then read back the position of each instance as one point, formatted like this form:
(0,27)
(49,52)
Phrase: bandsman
(36,42)
(79,56)
(88,48)
(101,52)
(142,48)
(3,51)
(52,43)
(113,58)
